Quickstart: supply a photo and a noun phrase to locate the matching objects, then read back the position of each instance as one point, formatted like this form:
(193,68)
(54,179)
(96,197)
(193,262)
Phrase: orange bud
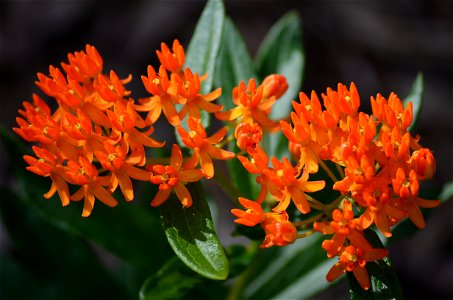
(423,163)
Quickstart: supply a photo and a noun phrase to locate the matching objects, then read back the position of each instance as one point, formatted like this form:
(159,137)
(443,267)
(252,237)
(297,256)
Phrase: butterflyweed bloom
(164,97)
(114,159)
(253,215)
(248,136)
(256,165)
(47,165)
(95,138)
(286,183)
(83,173)
(343,227)
(252,106)
(188,86)
(279,231)
(172,61)
(353,259)
(173,177)
(203,146)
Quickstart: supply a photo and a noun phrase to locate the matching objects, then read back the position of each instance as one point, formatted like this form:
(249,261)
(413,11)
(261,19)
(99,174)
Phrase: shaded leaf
(416,97)
(233,63)
(295,271)
(172,281)
(282,52)
(191,234)
(205,43)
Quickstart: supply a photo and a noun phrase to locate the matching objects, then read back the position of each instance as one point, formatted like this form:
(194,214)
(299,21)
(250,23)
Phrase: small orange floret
(253,214)
(173,178)
(279,231)
(172,61)
(248,136)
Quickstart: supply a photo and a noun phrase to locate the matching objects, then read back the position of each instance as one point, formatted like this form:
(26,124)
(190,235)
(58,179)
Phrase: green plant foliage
(234,65)
(43,254)
(416,97)
(281,52)
(294,272)
(384,281)
(191,234)
(205,43)
(172,281)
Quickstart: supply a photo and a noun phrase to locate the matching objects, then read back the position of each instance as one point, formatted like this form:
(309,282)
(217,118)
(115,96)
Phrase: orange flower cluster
(96,138)
(379,162)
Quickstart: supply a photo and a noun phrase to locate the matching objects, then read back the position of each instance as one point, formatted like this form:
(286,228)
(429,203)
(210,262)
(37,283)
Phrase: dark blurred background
(380,45)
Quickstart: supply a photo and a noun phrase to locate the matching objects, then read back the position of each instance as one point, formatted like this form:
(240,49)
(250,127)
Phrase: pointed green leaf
(282,52)
(191,234)
(296,271)
(205,43)
(172,281)
(416,97)
(233,63)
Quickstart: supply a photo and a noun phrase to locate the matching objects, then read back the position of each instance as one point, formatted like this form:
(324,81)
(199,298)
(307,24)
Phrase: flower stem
(326,168)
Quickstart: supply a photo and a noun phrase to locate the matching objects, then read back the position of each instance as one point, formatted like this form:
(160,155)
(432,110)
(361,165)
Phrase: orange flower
(113,158)
(342,226)
(248,136)
(279,231)
(173,62)
(110,89)
(84,66)
(423,163)
(164,99)
(274,85)
(85,174)
(250,217)
(354,259)
(188,86)
(173,177)
(203,146)
(47,165)
(258,163)
(286,183)
(392,113)
(250,106)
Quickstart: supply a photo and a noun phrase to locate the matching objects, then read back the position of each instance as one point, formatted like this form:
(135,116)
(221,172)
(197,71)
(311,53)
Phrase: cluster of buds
(377,169)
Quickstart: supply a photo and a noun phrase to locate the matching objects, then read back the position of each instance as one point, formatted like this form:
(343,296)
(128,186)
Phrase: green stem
(326,168)
(309,220)
(340,170)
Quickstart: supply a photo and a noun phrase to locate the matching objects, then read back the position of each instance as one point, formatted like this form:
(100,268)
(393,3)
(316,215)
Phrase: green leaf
(282,52)
(205,43)
(293,272)
(384,281)
(44,250)
(233,63)
(191,234)
(129,231)
(447,192)
(172,281)
(416,97)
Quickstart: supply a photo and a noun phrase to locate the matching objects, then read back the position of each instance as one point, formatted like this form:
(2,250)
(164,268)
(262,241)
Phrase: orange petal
(88,204)
(300,201)
(415,215)
(176,157)
(206,164)
(219,153)
(375,254)
(190,175)
(361,274)
(217,137)
(125,185)
(183,194)
(103,195)
(336,271)
(160,197)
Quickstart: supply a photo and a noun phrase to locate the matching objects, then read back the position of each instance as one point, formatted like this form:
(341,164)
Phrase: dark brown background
(380,45)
